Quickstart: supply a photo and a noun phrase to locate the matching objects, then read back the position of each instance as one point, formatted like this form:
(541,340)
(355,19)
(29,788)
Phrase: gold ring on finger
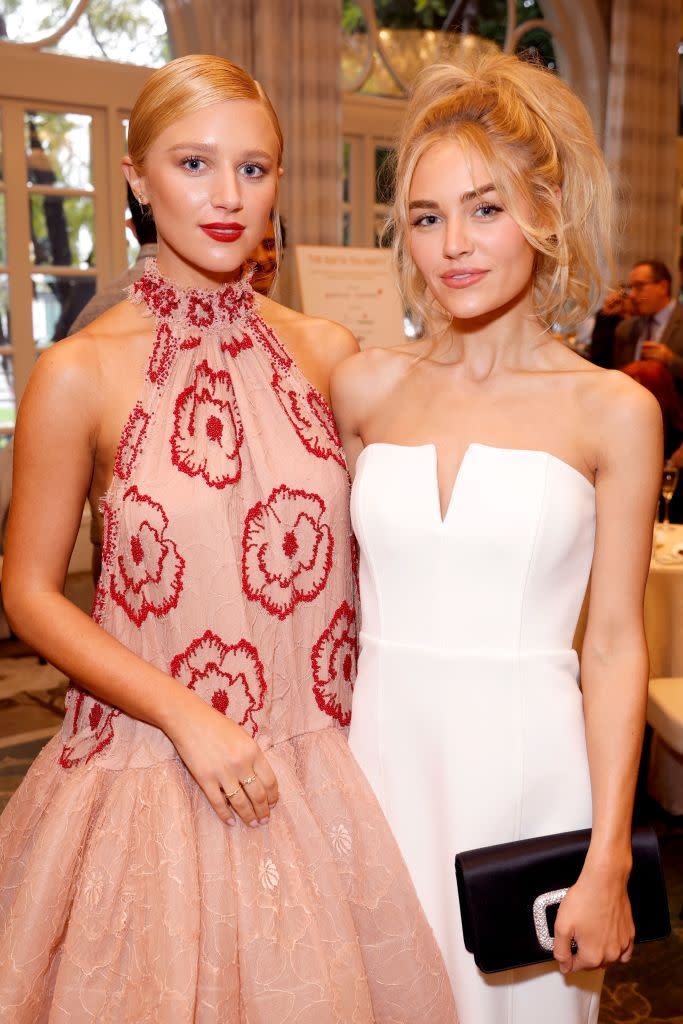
(228,796)
(248,781)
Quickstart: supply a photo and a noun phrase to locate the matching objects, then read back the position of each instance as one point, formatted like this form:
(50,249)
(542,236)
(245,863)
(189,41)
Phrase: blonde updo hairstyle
(184,86)
(536,140)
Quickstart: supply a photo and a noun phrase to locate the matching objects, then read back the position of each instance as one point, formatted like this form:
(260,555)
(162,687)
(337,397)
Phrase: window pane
(4,310)
(57,301)
(135,33)
(346,229)
(8,410)
(3,230)
(346,172)
(384,174)
(62,231)
(58,149)
(7,405)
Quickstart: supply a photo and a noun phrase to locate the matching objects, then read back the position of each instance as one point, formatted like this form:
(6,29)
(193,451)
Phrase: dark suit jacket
(628,332)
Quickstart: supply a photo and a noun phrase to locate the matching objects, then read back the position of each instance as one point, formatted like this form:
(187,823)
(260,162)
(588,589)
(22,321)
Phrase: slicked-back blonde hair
(536,140)
(184,86)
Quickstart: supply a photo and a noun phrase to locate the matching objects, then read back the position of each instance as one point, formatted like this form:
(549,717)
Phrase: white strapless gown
(467,714)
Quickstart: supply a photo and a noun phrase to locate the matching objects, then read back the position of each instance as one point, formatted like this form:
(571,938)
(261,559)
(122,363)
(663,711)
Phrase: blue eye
(193,163)
(487,210)
(252,170)
(426,221)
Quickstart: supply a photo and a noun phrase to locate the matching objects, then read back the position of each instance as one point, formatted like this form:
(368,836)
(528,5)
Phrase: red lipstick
(223,232)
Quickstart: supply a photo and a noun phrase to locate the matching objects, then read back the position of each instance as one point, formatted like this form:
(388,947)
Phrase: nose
(457,240)
(226,193)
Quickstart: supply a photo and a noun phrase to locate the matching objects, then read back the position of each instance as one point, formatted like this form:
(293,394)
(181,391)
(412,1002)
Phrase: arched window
(130,31)
(386,42)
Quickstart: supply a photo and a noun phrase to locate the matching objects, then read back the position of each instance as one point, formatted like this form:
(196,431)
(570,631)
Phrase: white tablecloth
(664,603)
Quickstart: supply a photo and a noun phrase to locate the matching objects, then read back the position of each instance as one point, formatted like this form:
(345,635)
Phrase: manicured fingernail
(253,824)
(263,821)
(231,821)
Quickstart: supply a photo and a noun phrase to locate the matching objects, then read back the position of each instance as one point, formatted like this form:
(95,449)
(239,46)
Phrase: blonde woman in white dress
(494,468)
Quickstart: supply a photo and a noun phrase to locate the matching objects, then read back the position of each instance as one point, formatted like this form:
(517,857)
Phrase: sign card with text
(356,288)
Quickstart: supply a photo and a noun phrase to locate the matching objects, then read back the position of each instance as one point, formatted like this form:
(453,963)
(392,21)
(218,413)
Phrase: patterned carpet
(648,990)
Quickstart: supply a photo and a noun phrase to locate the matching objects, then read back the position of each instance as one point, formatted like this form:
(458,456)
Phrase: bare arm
(55,445)
(357,387)
(614,673)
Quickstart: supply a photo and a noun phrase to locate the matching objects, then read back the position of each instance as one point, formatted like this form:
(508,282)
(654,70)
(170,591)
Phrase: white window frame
(52,82)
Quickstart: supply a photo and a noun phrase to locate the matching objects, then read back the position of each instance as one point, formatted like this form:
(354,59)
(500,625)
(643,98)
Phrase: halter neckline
(193,309)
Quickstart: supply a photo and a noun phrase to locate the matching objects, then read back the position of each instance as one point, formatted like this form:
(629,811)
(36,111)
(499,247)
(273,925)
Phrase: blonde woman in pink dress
(197,844)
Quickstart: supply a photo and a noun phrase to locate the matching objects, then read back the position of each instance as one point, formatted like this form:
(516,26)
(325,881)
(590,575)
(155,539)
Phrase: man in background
(655,332)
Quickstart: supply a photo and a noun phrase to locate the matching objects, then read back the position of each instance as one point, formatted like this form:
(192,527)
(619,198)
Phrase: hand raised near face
(655,350)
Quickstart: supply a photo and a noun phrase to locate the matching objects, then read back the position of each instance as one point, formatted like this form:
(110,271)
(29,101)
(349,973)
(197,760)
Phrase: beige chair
(665,716)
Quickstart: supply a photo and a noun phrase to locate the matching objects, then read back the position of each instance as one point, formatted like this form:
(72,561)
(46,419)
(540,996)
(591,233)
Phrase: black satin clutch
(510,894)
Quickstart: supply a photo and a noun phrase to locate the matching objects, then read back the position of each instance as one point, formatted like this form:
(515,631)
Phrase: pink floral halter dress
(228,563)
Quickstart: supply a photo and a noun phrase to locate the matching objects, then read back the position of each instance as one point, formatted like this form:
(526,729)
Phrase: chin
(224,261)
(483,306)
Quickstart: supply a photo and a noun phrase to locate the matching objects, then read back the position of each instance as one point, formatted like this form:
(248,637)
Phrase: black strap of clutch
(510,893)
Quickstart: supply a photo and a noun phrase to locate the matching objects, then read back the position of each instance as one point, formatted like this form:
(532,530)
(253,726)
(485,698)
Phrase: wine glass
(669,481)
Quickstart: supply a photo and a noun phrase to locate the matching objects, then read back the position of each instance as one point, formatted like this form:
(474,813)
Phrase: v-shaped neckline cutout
(443,513)
(443,516)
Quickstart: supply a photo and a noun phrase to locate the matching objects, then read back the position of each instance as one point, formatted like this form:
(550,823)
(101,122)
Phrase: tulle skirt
(125,900)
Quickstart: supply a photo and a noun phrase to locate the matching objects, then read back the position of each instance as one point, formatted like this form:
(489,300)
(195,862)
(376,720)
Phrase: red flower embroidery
(234,302)
(236,343)
(208,429)
(131,439)
(229,677)
(334,661)
(147,576)
(278,354)
(89,725)
(194,341)
(199,313)
(158,295)
(286,550)
(312,419)
(162,355)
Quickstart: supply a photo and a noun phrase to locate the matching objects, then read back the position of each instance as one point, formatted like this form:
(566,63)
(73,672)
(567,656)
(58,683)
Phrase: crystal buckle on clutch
(541,904)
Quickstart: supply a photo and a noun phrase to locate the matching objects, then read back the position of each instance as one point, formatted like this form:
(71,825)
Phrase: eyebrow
(211,147)
(466,197)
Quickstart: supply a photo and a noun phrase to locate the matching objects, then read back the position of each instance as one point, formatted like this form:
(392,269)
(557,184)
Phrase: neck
(176,268)
(503,339)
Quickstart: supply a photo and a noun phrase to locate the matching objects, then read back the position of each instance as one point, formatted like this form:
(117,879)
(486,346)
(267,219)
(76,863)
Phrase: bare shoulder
(71,365)
(325,339)
(81,368)
(617,404)
(375,370)
(364,381)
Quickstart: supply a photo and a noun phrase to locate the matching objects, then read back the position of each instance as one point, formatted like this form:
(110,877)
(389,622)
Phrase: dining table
(664,602)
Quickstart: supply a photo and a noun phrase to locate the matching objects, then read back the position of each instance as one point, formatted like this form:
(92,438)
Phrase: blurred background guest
(616,307)
(655,331)
(141,224)
(268,255)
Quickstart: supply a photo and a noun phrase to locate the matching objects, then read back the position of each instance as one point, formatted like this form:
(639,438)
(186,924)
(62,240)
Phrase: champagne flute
(669,481)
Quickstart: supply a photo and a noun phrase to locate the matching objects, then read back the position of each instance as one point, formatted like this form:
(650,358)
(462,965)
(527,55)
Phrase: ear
(137,182)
